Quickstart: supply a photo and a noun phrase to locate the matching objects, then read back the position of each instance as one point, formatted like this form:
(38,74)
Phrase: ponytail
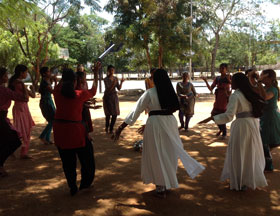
(18,70)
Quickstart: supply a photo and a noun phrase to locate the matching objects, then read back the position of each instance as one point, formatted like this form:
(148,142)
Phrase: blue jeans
(46,133)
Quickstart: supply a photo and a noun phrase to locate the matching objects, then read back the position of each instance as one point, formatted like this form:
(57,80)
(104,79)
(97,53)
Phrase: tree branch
(27,41)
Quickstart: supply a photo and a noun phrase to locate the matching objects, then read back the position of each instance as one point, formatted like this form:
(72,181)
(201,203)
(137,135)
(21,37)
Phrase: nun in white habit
(244,162)
(162,145)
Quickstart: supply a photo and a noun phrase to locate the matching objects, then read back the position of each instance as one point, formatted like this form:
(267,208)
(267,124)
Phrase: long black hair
(272,75)
(68,81)
(241,82)
(18,70)
(166,94)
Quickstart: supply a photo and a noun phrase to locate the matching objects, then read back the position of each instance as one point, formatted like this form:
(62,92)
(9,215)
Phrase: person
(270,120)
(162,144)
(70,134)
(149,82)
(9,138)
(81,83)
(186,93)
(253,77)
(222,84)
(22,119)
(244,162)
(110,98)
(46,103)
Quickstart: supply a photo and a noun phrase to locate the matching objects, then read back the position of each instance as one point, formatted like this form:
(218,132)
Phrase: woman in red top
(222,84)
(70,135)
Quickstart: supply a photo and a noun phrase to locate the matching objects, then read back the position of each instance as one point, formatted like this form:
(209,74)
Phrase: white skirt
(161,149)
(245,162)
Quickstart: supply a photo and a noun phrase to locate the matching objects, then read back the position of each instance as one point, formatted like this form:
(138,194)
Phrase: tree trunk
(160,54)
(214,54)
(147,52)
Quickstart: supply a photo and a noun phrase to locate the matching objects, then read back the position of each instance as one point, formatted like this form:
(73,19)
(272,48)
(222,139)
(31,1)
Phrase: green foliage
(158,27)
(83,37)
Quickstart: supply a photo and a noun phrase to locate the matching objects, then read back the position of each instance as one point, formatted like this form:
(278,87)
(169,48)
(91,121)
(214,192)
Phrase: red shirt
(221,99)
(69,131)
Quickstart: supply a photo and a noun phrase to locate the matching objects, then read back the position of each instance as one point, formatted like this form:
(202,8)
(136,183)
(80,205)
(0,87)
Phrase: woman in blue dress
(270,120)
(46,103)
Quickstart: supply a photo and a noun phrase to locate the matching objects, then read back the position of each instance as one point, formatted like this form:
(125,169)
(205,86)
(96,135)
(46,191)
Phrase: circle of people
(254,132)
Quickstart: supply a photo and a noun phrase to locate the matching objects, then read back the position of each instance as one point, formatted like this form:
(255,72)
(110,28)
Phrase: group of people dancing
(254,132)
(250,143)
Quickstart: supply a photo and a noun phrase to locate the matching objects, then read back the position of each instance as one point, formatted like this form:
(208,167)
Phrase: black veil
(166,94)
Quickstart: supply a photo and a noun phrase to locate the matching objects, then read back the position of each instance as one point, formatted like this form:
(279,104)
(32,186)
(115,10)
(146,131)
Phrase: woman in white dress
(245,162)
(162,145)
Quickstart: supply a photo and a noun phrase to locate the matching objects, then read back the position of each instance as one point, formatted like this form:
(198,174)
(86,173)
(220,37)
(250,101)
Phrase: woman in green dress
(270,120)
(46,103)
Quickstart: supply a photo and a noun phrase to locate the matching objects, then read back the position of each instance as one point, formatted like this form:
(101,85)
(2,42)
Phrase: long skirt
(162,147)
(23,123)
(245,162)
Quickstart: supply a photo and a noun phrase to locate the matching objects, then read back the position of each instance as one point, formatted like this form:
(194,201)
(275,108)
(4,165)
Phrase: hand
(97,66)
(186,97)
(141,129)
(122,80)
(116,135)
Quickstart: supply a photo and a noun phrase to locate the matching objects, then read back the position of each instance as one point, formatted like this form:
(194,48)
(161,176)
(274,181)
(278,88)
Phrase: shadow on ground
(38,186)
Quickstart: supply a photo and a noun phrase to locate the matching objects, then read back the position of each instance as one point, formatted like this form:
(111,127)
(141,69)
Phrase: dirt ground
(38,186)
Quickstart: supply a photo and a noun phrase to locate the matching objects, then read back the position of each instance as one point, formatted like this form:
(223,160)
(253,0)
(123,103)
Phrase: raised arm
(96,69)
(207,84)
(119,85)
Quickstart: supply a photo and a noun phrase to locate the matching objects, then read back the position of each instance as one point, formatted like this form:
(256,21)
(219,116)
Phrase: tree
(220,13)
(42,21)
(150,25)
(83,37)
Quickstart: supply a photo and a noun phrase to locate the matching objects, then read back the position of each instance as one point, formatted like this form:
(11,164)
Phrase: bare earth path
(38,187)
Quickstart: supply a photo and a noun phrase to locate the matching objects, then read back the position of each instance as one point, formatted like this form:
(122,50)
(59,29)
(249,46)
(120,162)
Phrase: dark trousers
(223,128)
(187,121)
(268,157)
(113,121)
(69,162)
(9,140)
